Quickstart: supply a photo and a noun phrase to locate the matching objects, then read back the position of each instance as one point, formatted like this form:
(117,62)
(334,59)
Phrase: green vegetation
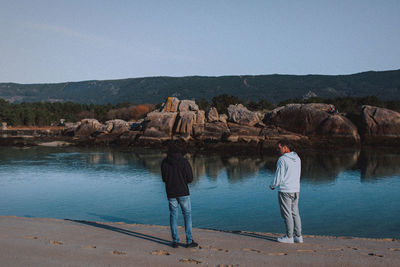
(350,105)
(44,114)
(272,88)
(222,102)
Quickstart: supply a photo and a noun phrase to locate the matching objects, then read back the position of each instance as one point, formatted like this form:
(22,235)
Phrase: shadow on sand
(249,234)
(124,231)
(160,240)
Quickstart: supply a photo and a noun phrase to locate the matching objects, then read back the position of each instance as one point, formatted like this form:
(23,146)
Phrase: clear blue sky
(57,41)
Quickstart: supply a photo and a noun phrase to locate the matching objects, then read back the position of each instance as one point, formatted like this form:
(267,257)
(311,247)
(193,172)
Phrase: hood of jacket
(291,156)
(174,158)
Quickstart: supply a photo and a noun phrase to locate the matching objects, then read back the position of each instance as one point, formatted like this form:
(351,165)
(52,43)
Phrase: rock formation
(312,120)
(117,126)
(212,115)
(302,123)
(171,105)
(87,127)
(211,131)
(241,115)
(380,122)
(159,125)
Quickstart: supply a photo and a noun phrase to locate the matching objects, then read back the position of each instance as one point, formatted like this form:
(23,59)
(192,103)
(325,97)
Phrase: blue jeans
(184,202)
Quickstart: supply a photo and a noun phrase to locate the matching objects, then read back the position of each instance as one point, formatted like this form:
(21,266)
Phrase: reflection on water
(343,193)
(375,165)
(317,166)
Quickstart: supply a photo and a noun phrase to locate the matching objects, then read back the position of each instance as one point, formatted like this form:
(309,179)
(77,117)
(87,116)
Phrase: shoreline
(49,242)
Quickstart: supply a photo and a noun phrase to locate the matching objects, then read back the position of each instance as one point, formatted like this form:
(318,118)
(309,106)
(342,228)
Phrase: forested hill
(274,88)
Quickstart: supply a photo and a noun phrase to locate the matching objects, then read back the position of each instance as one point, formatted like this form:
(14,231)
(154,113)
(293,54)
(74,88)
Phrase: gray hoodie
(287,175)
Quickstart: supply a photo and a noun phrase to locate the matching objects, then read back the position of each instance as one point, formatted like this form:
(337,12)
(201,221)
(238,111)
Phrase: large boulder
(274,134)
(241,115)
(200,117)
(312,120)
(214,131)
(185,120)
(380,122)
(137,125)
(212,115)
(188,105)
(70,128)
(88,127)
(243,133)
(223,118)
(271,134)
(159,124)
(337,125)
(171,105)
(117,126)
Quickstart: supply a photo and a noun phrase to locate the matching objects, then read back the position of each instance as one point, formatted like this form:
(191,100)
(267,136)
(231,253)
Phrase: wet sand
(54,242)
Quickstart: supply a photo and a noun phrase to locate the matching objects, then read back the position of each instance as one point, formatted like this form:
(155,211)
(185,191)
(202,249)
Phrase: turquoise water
(353,193)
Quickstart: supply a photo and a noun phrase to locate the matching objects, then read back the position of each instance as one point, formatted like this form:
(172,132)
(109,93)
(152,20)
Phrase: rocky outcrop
(212,115)
(185,119)
(312,120)
(244,133)
(241,115)
(223,118)
(88,127)
(159,124)
(273,134)
(180,122)
(171,105)
(211,131)
(308,124)
(187,105)
(380,122)
(117,126)
(70,128)
(200,117)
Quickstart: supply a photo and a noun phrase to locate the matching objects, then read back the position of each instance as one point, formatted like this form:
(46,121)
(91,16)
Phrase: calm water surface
(355,193)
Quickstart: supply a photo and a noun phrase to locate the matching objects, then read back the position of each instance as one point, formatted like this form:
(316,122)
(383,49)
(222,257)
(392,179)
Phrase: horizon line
(206,76)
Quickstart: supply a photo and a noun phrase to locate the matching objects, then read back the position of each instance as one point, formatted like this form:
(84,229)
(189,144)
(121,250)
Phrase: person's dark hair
(174,147)
(287,143)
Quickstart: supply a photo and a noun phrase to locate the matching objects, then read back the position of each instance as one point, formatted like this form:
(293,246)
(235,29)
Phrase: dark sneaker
(192,245)
(175,244)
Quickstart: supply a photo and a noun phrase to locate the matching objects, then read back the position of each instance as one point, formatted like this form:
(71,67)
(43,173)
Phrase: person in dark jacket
(177,174)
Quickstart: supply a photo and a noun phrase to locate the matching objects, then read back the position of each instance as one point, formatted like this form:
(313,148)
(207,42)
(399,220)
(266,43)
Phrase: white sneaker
(285,239)
(298,239)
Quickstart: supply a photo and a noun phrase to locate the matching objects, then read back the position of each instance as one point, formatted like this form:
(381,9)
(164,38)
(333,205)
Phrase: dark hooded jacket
(176,174)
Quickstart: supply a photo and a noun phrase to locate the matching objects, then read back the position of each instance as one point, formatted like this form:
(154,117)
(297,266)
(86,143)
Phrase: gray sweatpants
(289,205)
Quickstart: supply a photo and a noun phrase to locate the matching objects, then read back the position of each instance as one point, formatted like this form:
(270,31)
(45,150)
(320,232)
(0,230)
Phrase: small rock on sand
(160,252)
(116,252)
(190,261)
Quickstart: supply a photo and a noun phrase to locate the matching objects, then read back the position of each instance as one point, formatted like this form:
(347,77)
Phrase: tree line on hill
(273,88)
(46,113)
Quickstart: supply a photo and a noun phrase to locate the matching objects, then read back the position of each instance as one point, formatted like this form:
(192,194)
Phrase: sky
(47,41)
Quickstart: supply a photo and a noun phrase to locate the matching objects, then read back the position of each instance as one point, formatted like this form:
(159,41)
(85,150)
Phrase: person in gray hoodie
(287,181)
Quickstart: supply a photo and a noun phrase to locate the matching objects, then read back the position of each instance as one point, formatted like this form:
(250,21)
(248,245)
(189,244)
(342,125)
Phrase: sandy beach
(55,242)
